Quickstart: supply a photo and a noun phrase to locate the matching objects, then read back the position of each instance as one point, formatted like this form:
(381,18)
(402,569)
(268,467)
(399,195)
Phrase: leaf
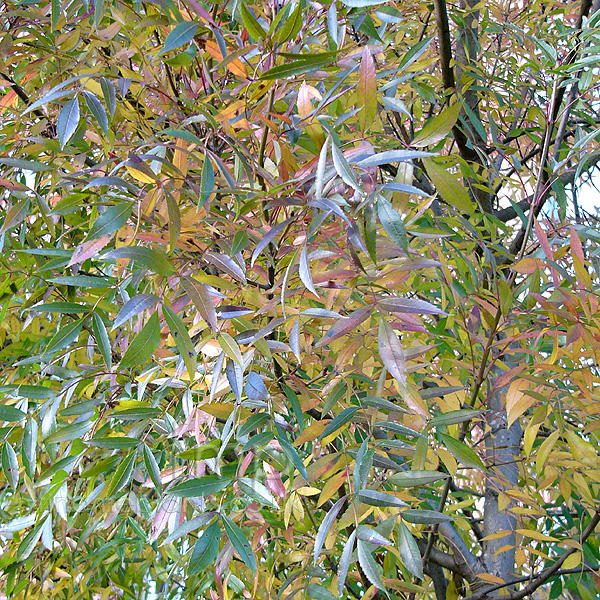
(255,387)
(144,344)
(152,467)
(347,175)
(339,421)
(267,239)
(362,465)
(10,413)
(297,67)
(367,90)
(84,281)
(461,452)
(321,166)
(206,550)
(226,264)
(202,300)
(69,433)
(110,97)
(391,352)
(16,215)
(182,340)
(10,466)
(231,348)
(254,28)
(344,563)
(144,256)
(392,222)
(102,340)
(318,592)
(207,181)
(134,306)
(362,4)
(64,337)
(449,187)
(114,442)
(292,25)
(29,447)
(110,220)
(425,517)
(136,414)
(408,306)
(97,110)
(67,122)
(409,551)
(201,486)
(30,540)
(345,325)
(180,35)
(370,568)
(438,127)
(390,156)
(304,271)
(398,428)
(375,498)
(415,478)
(366,534)
(257,491)
(292,454)
(455,416)
(240,543)
(325,527)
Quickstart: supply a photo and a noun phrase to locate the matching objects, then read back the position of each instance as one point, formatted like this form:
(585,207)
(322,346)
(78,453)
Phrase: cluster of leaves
(256,304)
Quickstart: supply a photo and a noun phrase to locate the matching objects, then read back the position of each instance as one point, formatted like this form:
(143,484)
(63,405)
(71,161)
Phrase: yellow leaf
(536,535)
(490,578)
(497,535)
(438,128)
(517,401)
(544,451)
(332,486)
(367,90)
(572,561)
(308,491)
(449,187)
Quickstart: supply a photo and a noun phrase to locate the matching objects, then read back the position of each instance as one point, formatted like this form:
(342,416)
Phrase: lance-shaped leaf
(254,28)
(64,337)
(425,517)
(226,264)
(144,256)
(206,550)
(10,465)
(390,156)
(367,90)
(67,122)
(182,340)
(207,181)
(102,340)
(455,416)
(392,222)
(291,25)
(15,215)
(202,300)
(31,539)
(10,413)
(29,447)
(345,562)
(339,421)
(267,239)
(304,271)
(110,220)
(408,306)
(96,108)
(325,527)
(345,325)
(292,454)
(182,34)
(318,592)
(366,534)
(240,543)
(368,564)
(133,307)
(152,467)
(201,486)
(461,452)
(391,352)
(416,478)
(409,551)
(375,498)
(255,387)
(70,432)
(449,186)
(347,175)
(122,475)
(398,428)
(144,344)
(257,491)
(438,127)
(235,377)
(362,465)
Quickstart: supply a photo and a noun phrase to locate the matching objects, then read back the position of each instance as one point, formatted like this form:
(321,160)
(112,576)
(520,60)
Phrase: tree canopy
(299,300)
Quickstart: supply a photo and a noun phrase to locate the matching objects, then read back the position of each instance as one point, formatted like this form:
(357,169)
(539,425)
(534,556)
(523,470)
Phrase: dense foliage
(298,299)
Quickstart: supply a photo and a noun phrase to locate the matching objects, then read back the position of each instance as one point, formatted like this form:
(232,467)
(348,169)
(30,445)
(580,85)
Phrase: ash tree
(299,300)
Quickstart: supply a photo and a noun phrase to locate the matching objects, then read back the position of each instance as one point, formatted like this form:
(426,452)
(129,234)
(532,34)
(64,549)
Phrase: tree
(298,300)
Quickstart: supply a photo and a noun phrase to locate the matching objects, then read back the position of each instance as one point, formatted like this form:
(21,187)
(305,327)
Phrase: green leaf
(182,34)
(10,413)
(292,454)
(345,325)
(110,220)
(425,517)
(391,352)
(182,340)
(207,181)
(67,122)
(240,543)
(152,467)
(362,465)
(110,96)
(144,256)
(122,475)
(257,491)
(339,421)
(392,222)
(231,348)
(345,562)
(297,67)
(438,127)
(64,337)
(208,450)
(375,498)
(102,340)
(30,540)
(251,24)
(201,486)
(136,414)
(409,551)
(114,442)
(292,25)
(368,564)
(416,478)
(318,592)
(70,432)
(84,281)
(10,466)
(449,186)
(461,452)
(206,550)
(61,307)
(454,416)
(97,110)
(16,215)
(202,300)
(347,175)
(325,527)
(29,447)
(362,4)
(144,344)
